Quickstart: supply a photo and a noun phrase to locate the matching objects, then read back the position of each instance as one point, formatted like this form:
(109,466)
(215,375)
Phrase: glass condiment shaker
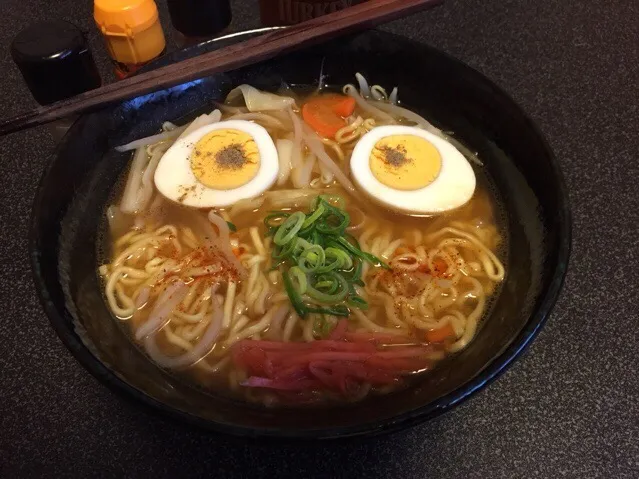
(132,32)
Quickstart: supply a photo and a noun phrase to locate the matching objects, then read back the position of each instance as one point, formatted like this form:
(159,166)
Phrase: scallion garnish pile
(320,262)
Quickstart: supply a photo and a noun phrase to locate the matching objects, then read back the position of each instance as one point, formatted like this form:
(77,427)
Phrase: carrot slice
(342,105)
(440,334)
(322,119)
(325,113)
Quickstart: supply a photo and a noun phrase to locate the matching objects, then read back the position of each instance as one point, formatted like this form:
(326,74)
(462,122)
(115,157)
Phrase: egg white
(452,188)
(174,176)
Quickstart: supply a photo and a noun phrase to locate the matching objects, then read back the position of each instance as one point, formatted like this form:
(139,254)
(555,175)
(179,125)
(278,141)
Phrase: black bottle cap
(199,18)
(55,61)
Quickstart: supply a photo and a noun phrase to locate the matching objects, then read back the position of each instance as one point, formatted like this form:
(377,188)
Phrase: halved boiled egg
(411,170)
(218,164)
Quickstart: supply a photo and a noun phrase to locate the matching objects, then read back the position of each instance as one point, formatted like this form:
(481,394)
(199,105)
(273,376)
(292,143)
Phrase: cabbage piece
(257,100)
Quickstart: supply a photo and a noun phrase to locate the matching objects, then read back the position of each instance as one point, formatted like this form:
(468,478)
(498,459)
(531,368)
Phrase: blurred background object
(198,20)
(290,12)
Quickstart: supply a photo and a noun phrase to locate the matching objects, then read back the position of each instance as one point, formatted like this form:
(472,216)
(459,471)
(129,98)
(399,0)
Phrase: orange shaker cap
(125,15)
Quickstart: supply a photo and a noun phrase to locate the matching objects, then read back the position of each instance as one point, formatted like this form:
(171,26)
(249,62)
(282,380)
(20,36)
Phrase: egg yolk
(405,162)
(225,159)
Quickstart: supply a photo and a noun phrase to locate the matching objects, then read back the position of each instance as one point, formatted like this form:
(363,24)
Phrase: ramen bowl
(78,183)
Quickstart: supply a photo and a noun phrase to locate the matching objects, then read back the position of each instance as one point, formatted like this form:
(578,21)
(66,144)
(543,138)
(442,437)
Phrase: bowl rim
(490,373)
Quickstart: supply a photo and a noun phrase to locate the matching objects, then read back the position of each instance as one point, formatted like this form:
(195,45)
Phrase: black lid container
(199,18)
(55,61)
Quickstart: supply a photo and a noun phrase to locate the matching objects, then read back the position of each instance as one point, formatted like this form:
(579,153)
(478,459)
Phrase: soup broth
(358,300)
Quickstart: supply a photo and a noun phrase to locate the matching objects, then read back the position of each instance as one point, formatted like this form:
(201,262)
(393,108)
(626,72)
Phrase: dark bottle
(55,61)
(197,20)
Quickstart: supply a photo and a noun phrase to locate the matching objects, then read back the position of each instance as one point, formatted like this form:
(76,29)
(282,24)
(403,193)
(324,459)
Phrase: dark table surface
(567,408)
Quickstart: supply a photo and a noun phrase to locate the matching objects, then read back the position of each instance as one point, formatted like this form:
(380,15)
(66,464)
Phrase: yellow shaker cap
(126,16)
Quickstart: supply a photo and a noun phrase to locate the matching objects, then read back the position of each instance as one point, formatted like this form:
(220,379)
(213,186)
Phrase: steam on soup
(302,249)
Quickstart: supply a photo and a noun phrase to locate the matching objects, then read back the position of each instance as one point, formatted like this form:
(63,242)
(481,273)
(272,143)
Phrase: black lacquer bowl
(76,185)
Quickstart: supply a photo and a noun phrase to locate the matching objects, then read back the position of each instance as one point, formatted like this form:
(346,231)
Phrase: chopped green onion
(357,302)
(329,199)
(327,283)
(300,281)
(314,216)
(374,260)
(311,259)
(356,272)
(353,240)
(286,251)
(338,310)
(335,264)
(294,296)
(287,230)
(341,217)
(345,261)
(301,309)
(321,264)
(324,284)
(337,297)
(302,244)
(306,233)
(316,238)
(232,227)
(271,220)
